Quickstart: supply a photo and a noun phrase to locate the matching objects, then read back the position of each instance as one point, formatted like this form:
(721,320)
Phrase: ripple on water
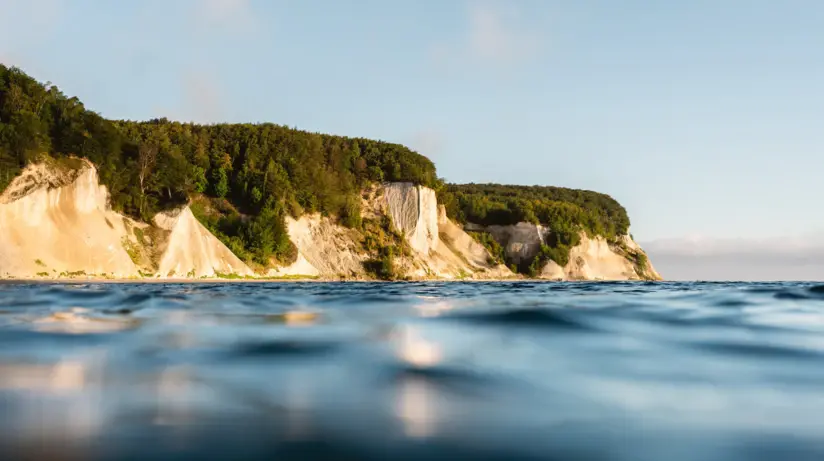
(556,319)
(466,370)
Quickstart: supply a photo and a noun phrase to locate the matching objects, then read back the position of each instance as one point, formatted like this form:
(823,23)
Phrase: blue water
(412,371)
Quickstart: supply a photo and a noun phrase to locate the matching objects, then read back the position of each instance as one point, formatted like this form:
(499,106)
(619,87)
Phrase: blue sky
(701,117)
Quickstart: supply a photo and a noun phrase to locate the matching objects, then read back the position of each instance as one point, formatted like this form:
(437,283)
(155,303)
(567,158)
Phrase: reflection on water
(416,351)
(416,407)
(612,371)
(415,399)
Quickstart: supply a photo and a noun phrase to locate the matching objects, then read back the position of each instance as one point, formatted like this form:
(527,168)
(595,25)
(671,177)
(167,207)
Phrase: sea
(625,371)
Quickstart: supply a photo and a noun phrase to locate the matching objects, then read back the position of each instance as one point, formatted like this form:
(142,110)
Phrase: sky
(703,118)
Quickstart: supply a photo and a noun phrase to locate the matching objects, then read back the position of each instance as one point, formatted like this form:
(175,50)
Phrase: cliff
(192,251)
(596,259)
(441,249)
(351,207)
(55,221)
(593,258)
(437,247)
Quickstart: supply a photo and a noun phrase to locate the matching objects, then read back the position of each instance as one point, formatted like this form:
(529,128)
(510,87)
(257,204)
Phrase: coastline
(155,281)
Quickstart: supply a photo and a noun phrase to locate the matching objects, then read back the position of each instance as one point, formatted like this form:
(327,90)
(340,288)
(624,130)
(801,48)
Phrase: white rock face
(301,267)
(327,248)
(192,251)
(458,252)
(591,259)
(53,222)
(521,242)
(442,249)
(414,212)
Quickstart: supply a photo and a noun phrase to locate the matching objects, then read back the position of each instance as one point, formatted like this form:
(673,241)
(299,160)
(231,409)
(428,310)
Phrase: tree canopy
(255,174)
(261,169)
(558,208)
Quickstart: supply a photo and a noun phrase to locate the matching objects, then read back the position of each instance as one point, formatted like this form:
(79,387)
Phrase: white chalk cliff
(592,259)
(596,259)
(192,251)
(56,222)
(325,249)
(440,248)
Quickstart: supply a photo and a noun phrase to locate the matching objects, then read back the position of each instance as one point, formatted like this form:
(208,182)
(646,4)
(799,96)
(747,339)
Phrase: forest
(243,179)
(260,172)
(555,207)
(566,212)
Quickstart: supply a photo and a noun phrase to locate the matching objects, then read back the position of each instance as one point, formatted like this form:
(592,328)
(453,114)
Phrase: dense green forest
(245,178)
(261,171)
(566,212)
(557,207)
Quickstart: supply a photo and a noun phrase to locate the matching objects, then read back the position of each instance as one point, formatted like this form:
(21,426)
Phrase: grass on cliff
(256,240)
(640,262)
(384,244)
(497,255)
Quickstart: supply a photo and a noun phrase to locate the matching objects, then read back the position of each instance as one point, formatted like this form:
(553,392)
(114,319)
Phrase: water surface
(412,371)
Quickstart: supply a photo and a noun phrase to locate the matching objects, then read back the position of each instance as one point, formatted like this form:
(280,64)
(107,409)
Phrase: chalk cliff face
(440,248)
(192,251)
(521,242)
(592,259)
(57,223)
(324,249)
(54,221)
(596,259)
(414,212)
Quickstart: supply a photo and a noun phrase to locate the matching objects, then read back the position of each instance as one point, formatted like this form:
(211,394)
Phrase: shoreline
(148,281)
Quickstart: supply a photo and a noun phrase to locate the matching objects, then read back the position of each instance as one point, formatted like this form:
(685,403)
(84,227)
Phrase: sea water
(412,371)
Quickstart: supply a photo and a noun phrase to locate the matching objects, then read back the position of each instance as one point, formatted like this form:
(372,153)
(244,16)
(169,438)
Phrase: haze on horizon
(702,118)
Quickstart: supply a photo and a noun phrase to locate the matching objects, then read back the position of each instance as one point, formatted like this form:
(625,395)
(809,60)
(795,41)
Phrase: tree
(146,158)
(220,182)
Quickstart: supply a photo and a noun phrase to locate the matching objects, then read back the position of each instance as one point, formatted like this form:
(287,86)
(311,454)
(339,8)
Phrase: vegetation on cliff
(566,212)
(264,171)
(245,178)
(556,207)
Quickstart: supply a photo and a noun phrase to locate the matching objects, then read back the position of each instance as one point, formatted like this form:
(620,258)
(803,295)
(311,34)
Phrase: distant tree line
(566,212)
(557,207)
(248,177)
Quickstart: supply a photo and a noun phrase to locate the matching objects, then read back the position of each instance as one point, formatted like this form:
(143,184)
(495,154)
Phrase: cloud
(202,98)
(496,34)
(799,257)
(32,16)
(428,142)
(238,14)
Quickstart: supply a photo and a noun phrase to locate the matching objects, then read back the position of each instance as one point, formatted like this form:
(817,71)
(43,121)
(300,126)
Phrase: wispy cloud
(34,14)
(495,34)
(428,142)
(798,257)
(237,14)
(499,35)
(202,98)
